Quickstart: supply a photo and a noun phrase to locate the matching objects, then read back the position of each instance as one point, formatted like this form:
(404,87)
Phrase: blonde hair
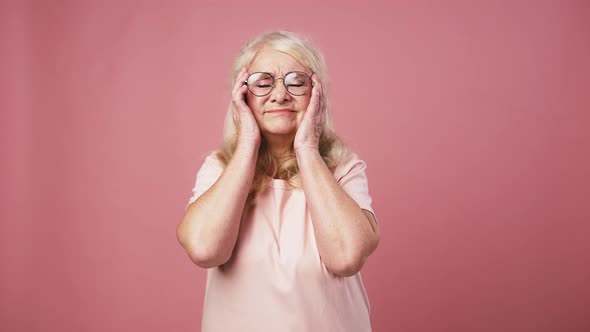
(332,149)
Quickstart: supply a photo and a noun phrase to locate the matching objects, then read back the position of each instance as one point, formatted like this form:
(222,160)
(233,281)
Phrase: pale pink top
(275,280)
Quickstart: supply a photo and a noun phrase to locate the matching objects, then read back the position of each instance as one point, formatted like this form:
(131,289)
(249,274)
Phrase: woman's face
(278,64)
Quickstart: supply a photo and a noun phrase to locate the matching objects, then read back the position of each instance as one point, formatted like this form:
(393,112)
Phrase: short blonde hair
(331,147)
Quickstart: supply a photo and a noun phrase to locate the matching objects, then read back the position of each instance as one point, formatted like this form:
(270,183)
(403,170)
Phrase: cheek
(256,107)
(254,103)
(305,102)
(300,118)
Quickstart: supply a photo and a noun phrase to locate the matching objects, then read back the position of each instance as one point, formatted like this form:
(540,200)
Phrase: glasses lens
(297,83)
(260,84)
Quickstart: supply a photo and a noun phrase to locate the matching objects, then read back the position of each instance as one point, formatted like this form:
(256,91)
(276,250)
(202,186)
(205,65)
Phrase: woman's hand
(248,130)
(311,126)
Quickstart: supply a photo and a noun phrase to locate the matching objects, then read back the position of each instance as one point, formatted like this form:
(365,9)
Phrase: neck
(280,146)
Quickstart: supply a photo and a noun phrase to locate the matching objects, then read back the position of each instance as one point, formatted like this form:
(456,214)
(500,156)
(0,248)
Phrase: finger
(315,99)
(236,118)
(238,97)
(322,100)
(239,80)
(322,97)
(239,87)
(320,89)
(320,108)
(314,92)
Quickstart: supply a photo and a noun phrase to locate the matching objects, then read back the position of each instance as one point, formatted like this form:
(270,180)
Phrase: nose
(279,92)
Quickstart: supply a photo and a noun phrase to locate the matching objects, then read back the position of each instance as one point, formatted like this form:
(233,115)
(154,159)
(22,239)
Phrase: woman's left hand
(311,126)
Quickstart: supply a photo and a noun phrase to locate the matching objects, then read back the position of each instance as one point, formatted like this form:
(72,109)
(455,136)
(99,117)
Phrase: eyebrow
(292,71)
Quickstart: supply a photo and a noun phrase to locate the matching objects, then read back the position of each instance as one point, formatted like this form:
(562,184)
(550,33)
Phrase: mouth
(280,111)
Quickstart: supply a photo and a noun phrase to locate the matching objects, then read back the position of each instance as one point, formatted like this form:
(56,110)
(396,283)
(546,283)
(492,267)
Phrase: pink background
(473,118)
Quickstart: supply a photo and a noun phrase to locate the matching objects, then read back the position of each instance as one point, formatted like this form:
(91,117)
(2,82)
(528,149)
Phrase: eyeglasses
(297,83)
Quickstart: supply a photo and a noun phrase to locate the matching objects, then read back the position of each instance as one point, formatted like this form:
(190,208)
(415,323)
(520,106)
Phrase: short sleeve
(207,175)
(350,175)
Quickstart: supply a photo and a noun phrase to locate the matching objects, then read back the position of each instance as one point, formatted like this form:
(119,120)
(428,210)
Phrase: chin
(281,130)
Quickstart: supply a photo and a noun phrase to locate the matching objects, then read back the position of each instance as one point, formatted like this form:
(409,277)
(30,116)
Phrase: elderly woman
(281,214)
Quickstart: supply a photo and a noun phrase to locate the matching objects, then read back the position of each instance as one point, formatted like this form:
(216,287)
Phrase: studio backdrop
(472,117)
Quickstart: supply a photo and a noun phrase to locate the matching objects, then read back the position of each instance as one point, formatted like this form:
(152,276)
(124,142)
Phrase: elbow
(347,266)
(205,260)
(351,264)
(201,255)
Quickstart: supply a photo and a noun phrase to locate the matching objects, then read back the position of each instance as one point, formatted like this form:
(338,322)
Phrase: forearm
(210,226)
(343,233)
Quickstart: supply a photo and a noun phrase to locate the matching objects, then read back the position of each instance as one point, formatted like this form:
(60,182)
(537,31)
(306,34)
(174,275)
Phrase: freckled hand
(310,129)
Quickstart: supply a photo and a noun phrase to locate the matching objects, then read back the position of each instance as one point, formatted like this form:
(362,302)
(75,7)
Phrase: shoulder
(349,164)
(211,165)
(214,159)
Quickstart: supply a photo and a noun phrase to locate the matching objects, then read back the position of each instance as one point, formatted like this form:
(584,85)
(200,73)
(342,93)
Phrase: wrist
(247,148)
(306,150)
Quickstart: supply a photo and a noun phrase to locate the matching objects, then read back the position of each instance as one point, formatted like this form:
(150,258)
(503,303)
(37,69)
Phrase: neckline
(279,183)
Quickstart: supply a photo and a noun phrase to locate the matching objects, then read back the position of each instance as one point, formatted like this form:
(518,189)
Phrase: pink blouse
(275,280)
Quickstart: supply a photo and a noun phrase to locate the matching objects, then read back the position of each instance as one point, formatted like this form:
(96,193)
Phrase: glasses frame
(274,80)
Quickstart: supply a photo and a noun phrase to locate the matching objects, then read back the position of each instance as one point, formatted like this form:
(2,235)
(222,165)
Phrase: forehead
(275,62)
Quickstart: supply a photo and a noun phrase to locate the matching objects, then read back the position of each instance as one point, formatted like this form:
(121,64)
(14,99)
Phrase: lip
(280,110)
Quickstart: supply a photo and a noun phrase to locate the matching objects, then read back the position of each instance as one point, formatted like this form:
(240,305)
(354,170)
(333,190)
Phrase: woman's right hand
(246,125)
